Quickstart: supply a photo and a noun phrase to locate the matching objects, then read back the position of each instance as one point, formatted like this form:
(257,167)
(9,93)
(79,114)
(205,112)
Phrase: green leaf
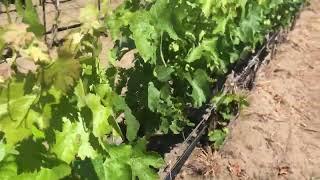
(89,13)
(89,17)
(116,166)
(19,7)
(6,151)
(131,122)
(8,168)
(218,136)
(163,73)
(142,160)
(80,94)
(162,13)
(55,173)
(17,108)
(206,6)
(200,87)
(38,134)
(207,47)
(100,115)
(250,26)
(2,151)
(153,97)
(128,162)
(207,50)
(145,36)
(72,141)
(30,17)
(225,103)
(13,102)
(121,18)
(222,23)
(110,99)
(63,73)
(98,167)
(15,112)
(13,132)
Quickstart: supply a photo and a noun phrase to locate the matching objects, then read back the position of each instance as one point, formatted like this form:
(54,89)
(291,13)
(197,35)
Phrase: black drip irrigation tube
(64,28)
(194,137)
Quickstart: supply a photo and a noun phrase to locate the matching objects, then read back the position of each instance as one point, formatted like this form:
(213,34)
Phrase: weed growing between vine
(227,105)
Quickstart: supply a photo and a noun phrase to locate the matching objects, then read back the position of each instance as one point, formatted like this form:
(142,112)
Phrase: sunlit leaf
(63,73)
(72,141)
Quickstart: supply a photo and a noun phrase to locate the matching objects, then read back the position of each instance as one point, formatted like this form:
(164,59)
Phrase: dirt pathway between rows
(278,135)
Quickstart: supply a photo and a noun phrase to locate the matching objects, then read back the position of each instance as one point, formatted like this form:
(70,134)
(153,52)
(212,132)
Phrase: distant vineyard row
(62,115)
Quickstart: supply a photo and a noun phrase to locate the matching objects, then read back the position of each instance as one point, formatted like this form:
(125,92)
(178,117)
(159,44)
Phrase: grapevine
(64,115)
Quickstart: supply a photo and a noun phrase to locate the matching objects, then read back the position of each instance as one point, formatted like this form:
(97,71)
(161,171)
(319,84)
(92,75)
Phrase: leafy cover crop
(62,115)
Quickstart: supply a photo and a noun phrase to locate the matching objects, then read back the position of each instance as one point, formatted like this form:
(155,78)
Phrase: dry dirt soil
(278,135)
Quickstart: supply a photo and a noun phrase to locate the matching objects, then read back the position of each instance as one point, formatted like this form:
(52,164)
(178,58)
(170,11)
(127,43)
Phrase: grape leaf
(2,151)
(250,26)
(81,96)
(116,166)
(14,110)
(100,114)
(30,17)
(37,52)
(8,168)
(206,6)
(162,13)
(218,136)
(62,73)
(119,104)
(19,107)
(153,97)
(118,20)
(200,87)
(128,162)
(163,73)
(131,122)
(98,167)
(72,141)
(56,173)
(145,36)
(207,50)
(89,16)
(15,131)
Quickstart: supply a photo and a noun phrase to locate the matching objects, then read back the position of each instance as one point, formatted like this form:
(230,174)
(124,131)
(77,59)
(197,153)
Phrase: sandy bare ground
(278,135)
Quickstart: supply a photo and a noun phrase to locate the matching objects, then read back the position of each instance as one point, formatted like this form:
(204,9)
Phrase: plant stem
(6,4)
(161,54)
